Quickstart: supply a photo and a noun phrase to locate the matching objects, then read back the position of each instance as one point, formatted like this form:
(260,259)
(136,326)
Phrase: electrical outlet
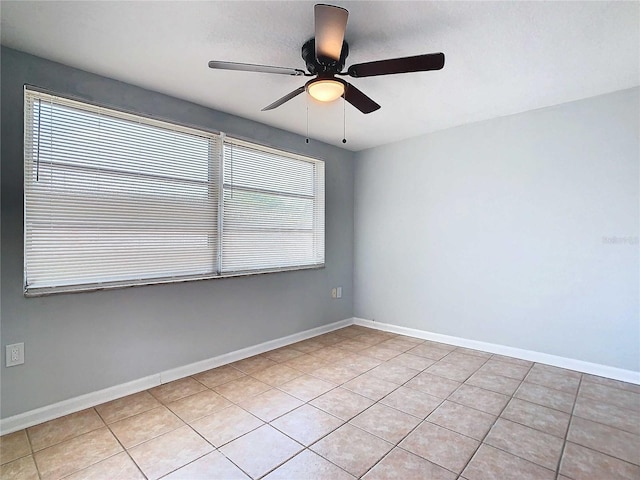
(15,354)
(334,293)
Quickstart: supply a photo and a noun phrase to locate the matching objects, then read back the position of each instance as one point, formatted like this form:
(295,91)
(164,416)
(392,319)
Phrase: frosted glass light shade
(325,90)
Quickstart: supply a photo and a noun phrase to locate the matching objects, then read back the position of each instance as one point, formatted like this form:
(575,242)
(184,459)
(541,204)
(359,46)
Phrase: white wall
(494,231)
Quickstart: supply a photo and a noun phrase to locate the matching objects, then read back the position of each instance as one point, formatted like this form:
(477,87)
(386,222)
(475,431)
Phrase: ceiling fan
(325,55)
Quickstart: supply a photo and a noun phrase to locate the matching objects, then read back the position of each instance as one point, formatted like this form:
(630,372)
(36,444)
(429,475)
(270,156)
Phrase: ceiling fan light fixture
(325,89)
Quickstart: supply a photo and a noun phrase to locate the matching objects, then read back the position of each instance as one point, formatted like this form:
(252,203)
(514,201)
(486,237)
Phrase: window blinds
(112,198)
(273,215)
(115,199)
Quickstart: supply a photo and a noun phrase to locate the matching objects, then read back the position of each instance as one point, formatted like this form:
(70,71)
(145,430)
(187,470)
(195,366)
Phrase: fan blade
(419,63)
(331,23)
(359,100)
(250,67)
(284,99)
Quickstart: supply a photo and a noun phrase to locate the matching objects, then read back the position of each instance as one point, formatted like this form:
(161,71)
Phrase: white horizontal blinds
(115,198)
(273,212)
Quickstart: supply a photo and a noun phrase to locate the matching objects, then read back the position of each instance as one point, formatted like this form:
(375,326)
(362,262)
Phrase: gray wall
(79,343)
(494,231)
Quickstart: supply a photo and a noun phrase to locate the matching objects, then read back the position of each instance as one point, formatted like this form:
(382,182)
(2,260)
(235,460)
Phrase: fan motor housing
(317,66)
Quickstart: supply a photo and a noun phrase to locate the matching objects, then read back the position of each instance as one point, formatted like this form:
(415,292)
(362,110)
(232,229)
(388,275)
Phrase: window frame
(218,183)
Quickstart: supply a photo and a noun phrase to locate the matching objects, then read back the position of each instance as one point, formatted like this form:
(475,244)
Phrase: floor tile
(330,354)
(80,452)
(308,465)
(615,396)
(440,446)
(13,446)
(307,424)
(536,416)
(581,463)
(609,414)
(241,388)
(609,382)
(434,385)
(465,420)
(277,375)
(605,439)
(21,469)
(385,422)
(218,376)
(371,387)
(184,444)
(495,383)
(196,406)
(226,425)
(533,445)
(411,401)
(506,369)
(473,352)
(270,405)
(336,374)
(381,353)
(64,428)
(406,338)
(352,345)
(253,364)
(557,381)
(464,360)
(395,344)
(394,373)
(542,368)
(147,425)
(409,360)
(307,346)
(428,351)
(452,371)
(546,397)
(306,387)
(172,391)
(401,464)
(492,464)
(126,406)
(359,363)
(118,467)
(283,354)
(516,361)
(352,449)
(306,363)
(212,466)
(342,403)
(261,450)
(480,399)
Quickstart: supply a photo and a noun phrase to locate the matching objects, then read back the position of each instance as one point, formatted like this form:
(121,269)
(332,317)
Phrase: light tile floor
(354,403)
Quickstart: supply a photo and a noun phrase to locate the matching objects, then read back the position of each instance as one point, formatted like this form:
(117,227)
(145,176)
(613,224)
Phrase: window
(115,199)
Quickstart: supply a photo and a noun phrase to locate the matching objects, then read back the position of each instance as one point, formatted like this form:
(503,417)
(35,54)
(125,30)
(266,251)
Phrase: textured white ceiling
(501,57)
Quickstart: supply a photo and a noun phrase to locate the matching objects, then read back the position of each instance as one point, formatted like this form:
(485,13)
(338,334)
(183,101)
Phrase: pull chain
(344,120)
(307,139)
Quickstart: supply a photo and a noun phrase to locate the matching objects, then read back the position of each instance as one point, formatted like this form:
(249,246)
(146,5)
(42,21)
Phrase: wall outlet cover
(15,354)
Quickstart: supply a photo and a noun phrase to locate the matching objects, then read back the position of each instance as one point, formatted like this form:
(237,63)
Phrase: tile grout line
(482,442)
(397,445)
(32,452)
(566,433)
(118,440)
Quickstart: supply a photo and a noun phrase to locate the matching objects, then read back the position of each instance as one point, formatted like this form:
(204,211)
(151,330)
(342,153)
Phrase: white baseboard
(65,407)
(615,373)
(71,405)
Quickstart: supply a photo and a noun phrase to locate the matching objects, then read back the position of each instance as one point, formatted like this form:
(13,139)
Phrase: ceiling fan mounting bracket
(323,65)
